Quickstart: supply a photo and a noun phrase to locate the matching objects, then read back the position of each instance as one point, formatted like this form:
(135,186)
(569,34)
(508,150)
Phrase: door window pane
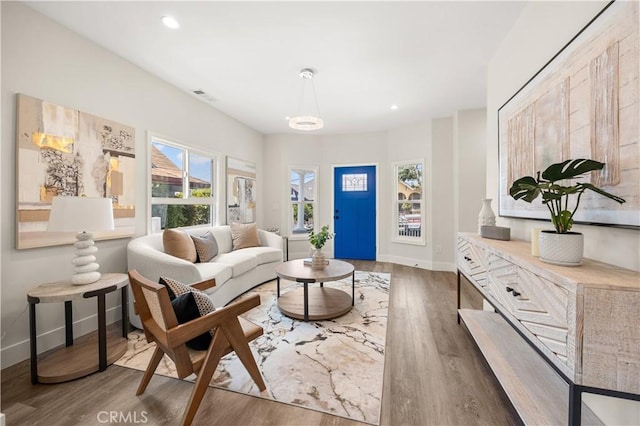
(354,182)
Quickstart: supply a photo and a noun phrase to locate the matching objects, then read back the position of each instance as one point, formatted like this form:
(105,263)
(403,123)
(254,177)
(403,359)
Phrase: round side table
(316,303)
(79,360)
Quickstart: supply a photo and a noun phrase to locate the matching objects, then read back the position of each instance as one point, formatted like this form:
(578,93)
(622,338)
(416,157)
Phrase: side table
(79,360)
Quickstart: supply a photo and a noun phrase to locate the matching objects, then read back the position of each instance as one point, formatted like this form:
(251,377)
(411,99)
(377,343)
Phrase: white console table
(583,321)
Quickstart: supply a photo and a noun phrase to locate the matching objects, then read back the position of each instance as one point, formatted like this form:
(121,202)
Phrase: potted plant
(318,241)
(560,246)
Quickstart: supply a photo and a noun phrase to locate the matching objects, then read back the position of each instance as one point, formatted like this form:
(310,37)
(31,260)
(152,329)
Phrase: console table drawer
(537,304)
(472,261)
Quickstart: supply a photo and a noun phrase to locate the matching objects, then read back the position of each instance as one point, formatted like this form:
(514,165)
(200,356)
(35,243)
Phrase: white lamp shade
(77,214)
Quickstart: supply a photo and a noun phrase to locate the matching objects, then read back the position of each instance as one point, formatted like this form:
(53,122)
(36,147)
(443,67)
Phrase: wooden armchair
(232,333)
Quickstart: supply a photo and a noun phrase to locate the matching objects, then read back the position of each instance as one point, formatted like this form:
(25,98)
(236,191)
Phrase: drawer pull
(509,289)
(516,293)
(467,258)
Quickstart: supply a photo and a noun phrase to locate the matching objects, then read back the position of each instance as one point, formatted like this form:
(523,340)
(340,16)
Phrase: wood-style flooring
(434,375)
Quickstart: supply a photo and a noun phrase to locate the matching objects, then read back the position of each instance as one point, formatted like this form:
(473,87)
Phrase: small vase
(486,217)
(318,261)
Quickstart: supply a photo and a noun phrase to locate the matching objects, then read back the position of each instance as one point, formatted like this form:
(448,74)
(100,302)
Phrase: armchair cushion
(188,304)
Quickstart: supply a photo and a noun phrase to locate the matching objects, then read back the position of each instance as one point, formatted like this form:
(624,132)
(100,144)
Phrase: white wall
(540,32)
(46,61)
(469,151)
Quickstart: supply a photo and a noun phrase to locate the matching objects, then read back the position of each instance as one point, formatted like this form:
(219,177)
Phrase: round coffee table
(315,303)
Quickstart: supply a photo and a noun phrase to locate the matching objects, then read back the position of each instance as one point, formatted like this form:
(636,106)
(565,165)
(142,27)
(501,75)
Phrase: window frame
(186,199)
(406,239)
(299,235)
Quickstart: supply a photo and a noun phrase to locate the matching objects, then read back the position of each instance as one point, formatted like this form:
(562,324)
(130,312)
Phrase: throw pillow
(178,243)
(206,246)
(189,303)
(244,235)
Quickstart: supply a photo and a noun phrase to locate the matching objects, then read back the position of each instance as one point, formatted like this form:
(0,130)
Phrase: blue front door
(354,215)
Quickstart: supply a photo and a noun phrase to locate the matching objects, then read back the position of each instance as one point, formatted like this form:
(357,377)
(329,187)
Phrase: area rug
(335,366)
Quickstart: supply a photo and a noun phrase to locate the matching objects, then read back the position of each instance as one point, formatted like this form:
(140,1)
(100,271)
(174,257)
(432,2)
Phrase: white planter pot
(561,249)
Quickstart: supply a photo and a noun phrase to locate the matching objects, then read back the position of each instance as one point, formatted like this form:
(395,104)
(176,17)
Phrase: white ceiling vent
(203,95)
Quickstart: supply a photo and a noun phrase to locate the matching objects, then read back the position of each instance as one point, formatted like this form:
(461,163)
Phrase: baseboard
(20,351)
(418,263)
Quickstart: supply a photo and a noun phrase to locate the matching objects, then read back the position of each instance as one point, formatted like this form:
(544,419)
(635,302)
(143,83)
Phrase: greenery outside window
(303,198)
(408,210)
(182,185)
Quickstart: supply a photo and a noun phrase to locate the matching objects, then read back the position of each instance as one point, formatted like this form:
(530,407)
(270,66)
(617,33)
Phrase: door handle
(336,217)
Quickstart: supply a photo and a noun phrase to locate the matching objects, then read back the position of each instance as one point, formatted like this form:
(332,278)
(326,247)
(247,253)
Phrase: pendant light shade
(305,119)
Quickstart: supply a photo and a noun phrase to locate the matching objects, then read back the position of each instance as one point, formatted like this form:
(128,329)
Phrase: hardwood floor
(434,375)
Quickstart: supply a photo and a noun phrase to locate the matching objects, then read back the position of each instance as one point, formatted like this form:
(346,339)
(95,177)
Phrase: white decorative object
(486,217)
(318,260)
(561,249)
(535,242)
(72,214)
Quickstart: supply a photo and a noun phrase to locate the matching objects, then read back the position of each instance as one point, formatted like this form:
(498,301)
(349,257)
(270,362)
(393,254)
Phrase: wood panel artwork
(65,152)
(584,103)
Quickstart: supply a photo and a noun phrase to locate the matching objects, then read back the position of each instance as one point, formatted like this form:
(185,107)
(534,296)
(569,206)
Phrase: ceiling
(429,58)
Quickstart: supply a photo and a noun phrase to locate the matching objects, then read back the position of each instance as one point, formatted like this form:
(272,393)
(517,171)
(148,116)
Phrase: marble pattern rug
(335,366)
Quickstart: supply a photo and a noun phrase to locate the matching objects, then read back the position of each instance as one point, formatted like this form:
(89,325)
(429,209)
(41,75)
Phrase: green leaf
(570,169)
(525,188)
(563,221)
(585,186)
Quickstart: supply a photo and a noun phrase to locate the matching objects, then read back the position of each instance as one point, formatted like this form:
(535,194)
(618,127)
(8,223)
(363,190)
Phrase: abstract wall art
(63,151)
(584,103)
(241,191)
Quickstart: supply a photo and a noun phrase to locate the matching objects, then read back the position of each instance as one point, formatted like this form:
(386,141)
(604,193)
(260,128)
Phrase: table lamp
(83,215)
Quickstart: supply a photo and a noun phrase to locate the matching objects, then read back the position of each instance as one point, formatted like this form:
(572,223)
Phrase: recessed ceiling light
(170,22)
(394,107)
(287,118)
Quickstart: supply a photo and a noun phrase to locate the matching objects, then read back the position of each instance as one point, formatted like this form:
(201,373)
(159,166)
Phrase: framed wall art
(63,151)
(241,191)
(584,103)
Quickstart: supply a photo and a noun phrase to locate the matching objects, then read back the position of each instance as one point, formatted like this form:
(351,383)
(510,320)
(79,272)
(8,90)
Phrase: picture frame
(584,103)
(241,191)
(61,151)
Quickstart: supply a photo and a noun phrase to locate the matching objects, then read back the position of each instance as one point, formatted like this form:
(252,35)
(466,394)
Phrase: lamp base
(85,267)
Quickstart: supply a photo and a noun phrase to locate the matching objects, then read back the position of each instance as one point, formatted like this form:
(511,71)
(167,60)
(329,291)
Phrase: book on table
(308,261)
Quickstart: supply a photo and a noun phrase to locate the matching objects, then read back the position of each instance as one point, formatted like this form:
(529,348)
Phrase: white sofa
(235,271)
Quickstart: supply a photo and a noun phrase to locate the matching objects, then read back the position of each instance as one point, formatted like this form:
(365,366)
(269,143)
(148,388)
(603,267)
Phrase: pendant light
(305,119)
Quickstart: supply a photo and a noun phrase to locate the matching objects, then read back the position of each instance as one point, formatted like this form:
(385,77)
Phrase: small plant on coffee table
(319,240)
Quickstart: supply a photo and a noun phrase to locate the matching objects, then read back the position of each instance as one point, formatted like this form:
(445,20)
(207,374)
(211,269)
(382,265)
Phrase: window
(408,211)
(303,204)
(182,190)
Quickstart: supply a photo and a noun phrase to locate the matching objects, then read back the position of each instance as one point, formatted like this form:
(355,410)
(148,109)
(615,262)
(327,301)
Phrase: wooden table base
(324,303)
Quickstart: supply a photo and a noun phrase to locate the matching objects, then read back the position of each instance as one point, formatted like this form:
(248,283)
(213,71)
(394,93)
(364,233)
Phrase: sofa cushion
(239,261)
(220,271)
(188,304)
(178,243)
(264,254)
(244,235)
(206,246)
